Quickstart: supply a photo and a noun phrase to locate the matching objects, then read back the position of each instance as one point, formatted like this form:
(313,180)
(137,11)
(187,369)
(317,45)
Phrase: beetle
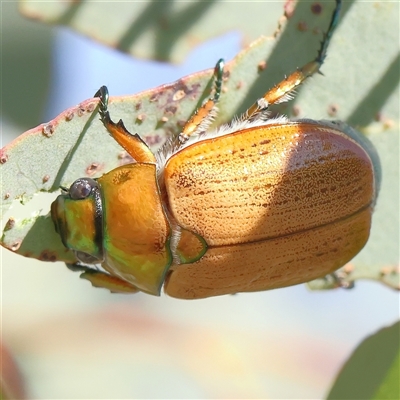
(259,203)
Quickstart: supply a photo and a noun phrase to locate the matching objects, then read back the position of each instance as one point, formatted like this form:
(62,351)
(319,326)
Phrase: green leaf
(372,371)
(389,388)
(159,30)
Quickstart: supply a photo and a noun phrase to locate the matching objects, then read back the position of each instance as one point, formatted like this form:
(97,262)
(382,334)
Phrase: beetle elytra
(256,204)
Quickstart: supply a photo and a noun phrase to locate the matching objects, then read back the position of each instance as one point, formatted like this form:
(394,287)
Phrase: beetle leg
(281,92)
(339,279)
(133,144)
(103,280)
(203,117)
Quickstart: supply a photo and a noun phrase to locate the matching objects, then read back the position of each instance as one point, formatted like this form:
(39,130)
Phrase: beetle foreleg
(103,280)
(203,117)
(133,144)
(281,92)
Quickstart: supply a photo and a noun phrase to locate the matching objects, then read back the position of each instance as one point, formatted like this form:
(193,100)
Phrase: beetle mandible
(256,204)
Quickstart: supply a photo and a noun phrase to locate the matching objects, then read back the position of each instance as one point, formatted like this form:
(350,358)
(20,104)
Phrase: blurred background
(73,341)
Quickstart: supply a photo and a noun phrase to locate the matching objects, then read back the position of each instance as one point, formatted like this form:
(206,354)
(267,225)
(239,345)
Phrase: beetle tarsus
(218,75)
(328,35)
(103,96)
(203,117)
(280,92)
(341,281)
(102,93)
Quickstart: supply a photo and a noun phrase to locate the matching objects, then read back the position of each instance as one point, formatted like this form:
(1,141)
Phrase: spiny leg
(203,117)
(103,280)
(133,144)
(280,92)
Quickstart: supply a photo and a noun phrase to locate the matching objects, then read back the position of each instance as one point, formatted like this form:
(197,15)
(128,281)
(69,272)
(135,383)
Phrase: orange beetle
(256,204)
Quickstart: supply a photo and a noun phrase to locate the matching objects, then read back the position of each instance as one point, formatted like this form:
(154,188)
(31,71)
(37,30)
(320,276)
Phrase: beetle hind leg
(281,92)
(203,117)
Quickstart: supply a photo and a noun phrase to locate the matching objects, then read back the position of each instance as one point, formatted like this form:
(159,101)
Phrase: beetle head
(77,217)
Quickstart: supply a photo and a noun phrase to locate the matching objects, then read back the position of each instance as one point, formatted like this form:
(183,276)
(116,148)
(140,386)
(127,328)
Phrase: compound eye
(86,258)
(82,188)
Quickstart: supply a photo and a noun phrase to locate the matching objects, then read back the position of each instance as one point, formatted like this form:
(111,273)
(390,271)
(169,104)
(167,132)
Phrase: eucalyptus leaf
(159,30)
(372,371)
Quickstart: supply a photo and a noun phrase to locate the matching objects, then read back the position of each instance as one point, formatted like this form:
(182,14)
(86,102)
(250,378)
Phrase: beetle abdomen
(267,182)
